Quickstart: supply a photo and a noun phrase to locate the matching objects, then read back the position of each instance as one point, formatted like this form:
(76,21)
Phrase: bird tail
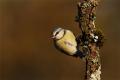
(79,54)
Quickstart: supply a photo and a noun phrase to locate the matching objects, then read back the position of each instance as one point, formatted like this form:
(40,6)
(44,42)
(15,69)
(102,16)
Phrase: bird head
(58,33)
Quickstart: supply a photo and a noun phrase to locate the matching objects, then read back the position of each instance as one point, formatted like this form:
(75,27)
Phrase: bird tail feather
(79,54)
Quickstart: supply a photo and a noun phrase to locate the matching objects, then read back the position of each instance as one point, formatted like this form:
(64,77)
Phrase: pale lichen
(96,74)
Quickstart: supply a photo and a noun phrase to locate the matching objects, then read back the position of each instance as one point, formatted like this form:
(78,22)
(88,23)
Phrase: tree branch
(91,38)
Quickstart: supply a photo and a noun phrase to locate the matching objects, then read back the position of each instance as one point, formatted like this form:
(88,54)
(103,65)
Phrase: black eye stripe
(63,34)
(56,33)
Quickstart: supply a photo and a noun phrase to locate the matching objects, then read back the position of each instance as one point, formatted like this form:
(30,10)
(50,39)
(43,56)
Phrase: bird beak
(53,37)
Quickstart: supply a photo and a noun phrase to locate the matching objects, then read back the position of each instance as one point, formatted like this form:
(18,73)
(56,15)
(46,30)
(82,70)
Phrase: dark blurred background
(27,51)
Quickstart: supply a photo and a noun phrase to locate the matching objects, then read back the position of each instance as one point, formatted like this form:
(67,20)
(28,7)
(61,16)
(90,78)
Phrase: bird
(65,41)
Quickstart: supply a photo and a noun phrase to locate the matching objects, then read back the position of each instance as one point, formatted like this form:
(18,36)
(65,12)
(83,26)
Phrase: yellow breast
(68,43)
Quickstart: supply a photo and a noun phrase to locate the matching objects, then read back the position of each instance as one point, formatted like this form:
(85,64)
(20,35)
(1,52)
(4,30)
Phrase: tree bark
(91,38)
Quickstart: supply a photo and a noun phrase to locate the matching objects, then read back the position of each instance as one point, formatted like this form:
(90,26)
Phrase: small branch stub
(91,38)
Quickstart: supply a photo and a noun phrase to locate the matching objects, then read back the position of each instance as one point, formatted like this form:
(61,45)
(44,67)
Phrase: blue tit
(65,41)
